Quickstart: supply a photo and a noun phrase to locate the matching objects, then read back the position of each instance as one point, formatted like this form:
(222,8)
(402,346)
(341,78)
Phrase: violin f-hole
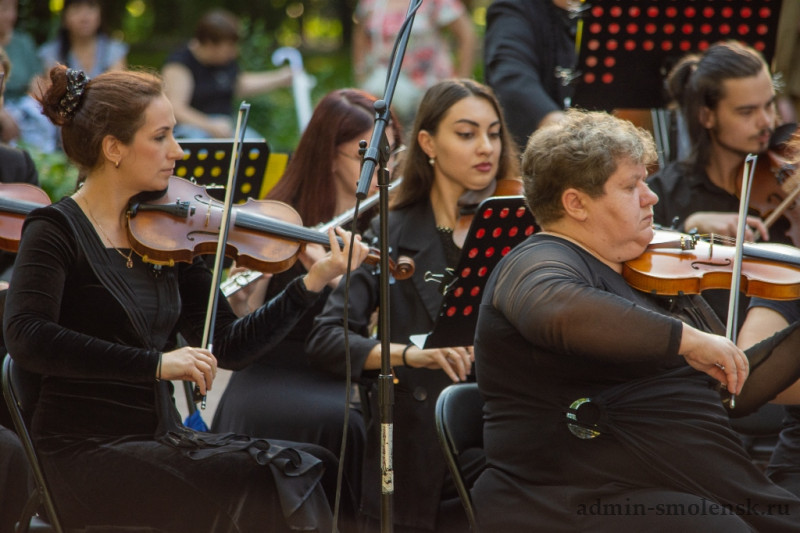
(725,263)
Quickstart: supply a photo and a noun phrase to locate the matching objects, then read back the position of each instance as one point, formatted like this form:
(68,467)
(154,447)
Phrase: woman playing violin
(599,397)
(99,325)
(459,145)
(284,395)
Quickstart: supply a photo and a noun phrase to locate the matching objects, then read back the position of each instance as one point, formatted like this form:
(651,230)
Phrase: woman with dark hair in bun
(98,324)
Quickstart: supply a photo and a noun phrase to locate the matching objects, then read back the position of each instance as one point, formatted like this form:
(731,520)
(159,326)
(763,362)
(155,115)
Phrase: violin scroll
(403,268)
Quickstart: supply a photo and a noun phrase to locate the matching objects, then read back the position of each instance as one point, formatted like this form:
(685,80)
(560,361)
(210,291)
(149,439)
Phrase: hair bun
(76,83)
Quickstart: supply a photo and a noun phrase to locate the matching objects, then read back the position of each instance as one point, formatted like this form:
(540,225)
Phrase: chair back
(21,391)
(459,424)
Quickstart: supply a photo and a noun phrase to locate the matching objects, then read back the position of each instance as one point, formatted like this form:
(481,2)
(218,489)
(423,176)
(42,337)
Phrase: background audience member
(15,119)
(203,78)
(429,55)
(82,43)
(529,58)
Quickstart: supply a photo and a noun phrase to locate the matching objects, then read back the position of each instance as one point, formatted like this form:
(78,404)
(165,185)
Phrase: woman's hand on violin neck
(707,222)
(190,364)
(716,356)
(334,263)
(455,361)
(311,254)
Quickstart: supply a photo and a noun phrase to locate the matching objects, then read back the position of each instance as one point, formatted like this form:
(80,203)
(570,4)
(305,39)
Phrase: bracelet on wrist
(405,363)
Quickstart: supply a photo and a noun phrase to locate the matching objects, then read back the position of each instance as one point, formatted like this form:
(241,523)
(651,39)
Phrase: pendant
(129,263)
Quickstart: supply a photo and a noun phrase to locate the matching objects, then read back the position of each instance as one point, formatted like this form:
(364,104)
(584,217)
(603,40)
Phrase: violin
(264,235)
(16,201)
(505,187)
(776,185)
(676,263)
(235,283)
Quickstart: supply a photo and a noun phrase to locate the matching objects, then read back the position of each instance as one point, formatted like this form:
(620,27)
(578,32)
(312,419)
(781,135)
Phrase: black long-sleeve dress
(593,422)
(108,434)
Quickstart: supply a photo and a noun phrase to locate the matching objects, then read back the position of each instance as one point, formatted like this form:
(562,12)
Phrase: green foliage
(57,176)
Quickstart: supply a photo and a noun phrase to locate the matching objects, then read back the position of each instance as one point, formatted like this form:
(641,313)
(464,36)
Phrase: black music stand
(208,161)
(499,224)
(628,46)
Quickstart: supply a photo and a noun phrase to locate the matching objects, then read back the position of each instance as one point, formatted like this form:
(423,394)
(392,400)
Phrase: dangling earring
(116,164)
(431,161)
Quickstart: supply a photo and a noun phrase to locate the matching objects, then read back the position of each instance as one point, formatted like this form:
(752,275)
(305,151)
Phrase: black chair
(20,389)
(459,423)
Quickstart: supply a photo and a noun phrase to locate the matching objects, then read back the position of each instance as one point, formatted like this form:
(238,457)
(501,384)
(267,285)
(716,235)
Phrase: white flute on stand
(301,83)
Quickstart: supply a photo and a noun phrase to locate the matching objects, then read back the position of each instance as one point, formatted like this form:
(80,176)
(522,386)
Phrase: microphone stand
(377,155)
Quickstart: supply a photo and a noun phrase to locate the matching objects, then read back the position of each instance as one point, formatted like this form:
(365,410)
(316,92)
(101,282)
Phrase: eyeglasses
(392,156)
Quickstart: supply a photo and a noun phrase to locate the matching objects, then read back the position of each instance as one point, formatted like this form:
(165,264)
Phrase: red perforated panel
(628,46)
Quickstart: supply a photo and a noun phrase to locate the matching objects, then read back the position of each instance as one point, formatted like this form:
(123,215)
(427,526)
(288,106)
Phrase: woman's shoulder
(115,46)
(113,51)
(60,212)
(53,222)
(549,252)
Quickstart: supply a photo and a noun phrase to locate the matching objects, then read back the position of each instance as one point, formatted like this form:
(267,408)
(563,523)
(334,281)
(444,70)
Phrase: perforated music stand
(499,224)
(628,46)
(208,162)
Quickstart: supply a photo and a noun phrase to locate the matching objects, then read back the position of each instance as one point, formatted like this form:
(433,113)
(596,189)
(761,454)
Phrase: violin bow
(211,310)
(783,206)
(733,301)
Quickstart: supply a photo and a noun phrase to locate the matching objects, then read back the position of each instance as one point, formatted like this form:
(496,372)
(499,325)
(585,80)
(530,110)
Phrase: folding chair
(20,389)
(459,424)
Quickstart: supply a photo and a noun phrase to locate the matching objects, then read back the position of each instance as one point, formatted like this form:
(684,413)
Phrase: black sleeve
(238,342)
(519,41)
(554,305)
(326,342)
